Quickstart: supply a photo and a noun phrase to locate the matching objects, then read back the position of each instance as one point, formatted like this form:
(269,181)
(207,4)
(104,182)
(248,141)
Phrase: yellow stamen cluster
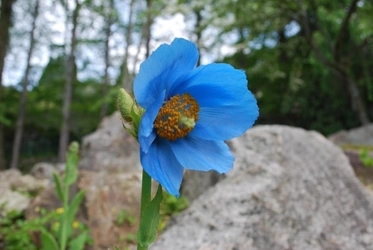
(177,117)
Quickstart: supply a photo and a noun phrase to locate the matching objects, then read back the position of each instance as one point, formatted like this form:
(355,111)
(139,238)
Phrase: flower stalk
(146,190)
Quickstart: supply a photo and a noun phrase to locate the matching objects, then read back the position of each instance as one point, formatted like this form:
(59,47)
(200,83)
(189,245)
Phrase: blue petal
(212,85)
(146,131)
(203,155)
(161,164)
(225,122)
(162,68)
(227,107)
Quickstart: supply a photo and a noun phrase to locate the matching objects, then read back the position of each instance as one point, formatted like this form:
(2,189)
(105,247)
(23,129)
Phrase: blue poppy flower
(190,111)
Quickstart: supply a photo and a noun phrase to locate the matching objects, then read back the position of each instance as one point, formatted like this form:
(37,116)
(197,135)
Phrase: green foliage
(172,205)
(65,234)
(292,84)
(125,216)
(150,220)
(44,111)
(17,232)
(57,229)
(49,242)
(365,158)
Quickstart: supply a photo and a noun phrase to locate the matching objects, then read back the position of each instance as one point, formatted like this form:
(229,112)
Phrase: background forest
(309,62)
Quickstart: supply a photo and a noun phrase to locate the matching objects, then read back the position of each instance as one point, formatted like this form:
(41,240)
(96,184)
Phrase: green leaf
(71,212)
(5,121)
(48,241)
(71,172)
(79,242)
(74,205)
(150,220)
(57,182)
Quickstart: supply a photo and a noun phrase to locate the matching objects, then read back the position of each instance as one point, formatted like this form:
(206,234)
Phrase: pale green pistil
(187,122)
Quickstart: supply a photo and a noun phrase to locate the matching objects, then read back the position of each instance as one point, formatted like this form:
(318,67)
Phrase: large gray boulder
(289,189)
(110,148)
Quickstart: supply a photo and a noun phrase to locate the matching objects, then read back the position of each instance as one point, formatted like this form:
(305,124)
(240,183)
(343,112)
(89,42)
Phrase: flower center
(177,117)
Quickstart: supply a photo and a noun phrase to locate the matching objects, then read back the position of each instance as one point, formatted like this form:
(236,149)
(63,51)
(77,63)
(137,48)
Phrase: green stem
(146,191)
(64,218)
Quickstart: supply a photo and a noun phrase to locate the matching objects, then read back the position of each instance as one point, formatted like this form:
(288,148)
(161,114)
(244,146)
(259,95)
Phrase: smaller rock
(12,201)
(28,184)
(15,190)
(9,176)
(107,195)
(45,170)
(357,136)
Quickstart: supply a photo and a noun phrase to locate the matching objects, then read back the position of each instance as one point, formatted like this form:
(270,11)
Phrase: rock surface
(107,196)
(289,189)
(196,182)
(110,148)
(45,170)
(352,143)
(357,136)
(15,190)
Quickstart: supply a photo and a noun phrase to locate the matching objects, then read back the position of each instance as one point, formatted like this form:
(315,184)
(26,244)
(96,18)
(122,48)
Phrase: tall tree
(22,106)
(148,26)
(5,23)
(339,64)
(314,47)
(109,22)
(126,77)
(70,77)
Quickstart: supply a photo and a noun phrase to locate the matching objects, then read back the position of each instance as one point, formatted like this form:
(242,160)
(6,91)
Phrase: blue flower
(190,111)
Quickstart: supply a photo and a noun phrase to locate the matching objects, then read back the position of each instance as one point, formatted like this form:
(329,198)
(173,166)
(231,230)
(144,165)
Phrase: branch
(326,34)
(360,47)
(309,39)
(343,29)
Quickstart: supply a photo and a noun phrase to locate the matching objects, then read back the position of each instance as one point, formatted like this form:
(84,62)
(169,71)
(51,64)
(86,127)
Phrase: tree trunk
(5,23)
(356,100)
(148,25)
(198,31)
(22,106)
(70,77)
(109,22)
(127,79)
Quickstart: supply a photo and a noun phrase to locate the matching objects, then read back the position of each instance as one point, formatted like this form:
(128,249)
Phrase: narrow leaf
(79,242)
(150,220)
(58,184)
(71,170)
(72,210)
(75,203)
(48,241)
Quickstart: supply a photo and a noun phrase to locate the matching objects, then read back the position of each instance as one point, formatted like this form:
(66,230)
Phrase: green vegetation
(365,158)
(170,205)
(125,216)
(56,230)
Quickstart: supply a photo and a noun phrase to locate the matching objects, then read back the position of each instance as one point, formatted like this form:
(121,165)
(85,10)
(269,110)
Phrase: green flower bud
(130,111)
(125,103)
